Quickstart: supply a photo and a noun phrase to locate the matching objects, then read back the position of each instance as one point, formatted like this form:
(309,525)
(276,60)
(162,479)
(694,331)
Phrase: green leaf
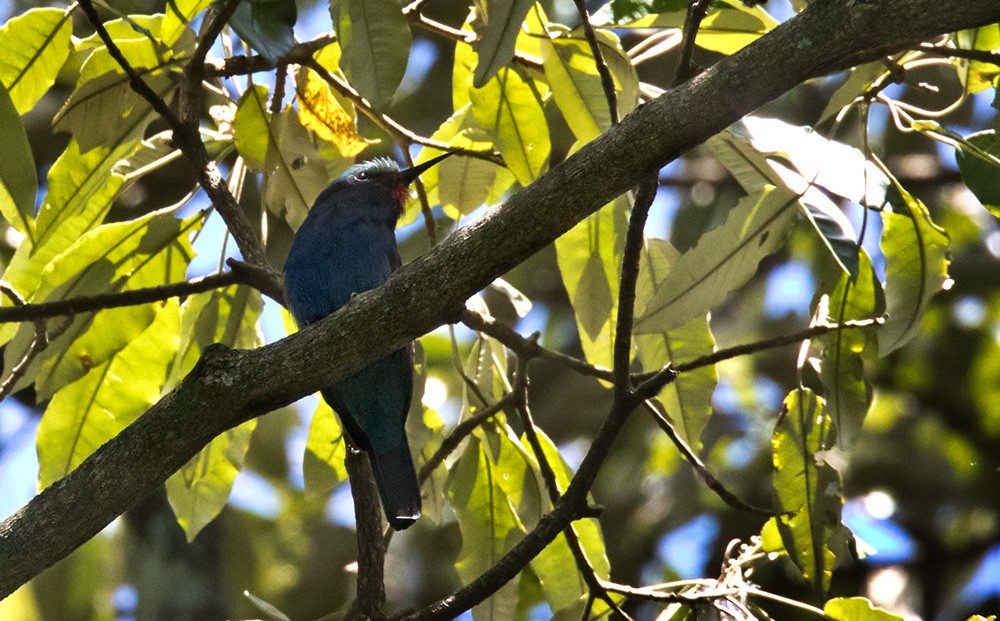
(728,27)
(466,180)
(859,81)
(807,489)
(759,151)
(916,267)
(509,109)
(838,167)
(18,183)
(267,25)
(724,259)
(323,461)
(149,251)
(627,10)
(856,609)
(93,409)
(589,262)
(178,18)
(200,489)
(376,41)
(81,189)
(35,44)
(105,110)
(848,393)
(576,85)
(295,172)
(688,399)
(497,25)
(251,127)
(978,160)
(977,75)
(488,523)
(227,316)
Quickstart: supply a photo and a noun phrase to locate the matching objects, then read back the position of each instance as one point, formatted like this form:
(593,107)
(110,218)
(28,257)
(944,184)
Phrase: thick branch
(229,387)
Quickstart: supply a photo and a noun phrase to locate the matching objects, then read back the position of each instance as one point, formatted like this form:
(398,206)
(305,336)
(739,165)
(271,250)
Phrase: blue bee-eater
(346,245)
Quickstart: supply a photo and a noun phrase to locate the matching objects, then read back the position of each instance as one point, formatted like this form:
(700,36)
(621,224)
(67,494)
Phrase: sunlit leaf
(848,393)
(35,45)
(375,41)
(425,431)
(760,151)
(200,489)
(728,27)
(322,111)
(251,130)
(724,258)
(93,409)
(497,25)
(179,14)
(105,110)
(81,188)
(323,461)
(461,183)
(856,609)
(18,183)
(977,75)
(149,251)
(979,162)
(509,110)
(589,258)
(916,267)
(859,80)
(267,25)
(577,88)
(488,524)
(807,489)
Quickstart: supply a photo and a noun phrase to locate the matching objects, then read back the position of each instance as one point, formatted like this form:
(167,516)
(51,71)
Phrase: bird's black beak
(410,174)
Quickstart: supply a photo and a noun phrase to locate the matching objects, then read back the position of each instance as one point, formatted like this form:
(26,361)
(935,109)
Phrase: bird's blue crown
(372,167)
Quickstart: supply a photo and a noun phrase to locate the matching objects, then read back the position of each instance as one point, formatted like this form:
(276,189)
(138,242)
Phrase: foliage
(893,394)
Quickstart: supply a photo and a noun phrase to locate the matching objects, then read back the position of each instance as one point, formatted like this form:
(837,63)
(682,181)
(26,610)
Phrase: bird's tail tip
(397,486)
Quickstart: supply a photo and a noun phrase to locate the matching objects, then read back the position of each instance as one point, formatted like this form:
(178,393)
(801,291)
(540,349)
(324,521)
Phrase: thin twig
(696,12)
(785,339)
(699,466)
(583,564)
(626,288)
(527,347)
(242,65)
(983,56)
(134,297)
(607,81)
(38,342)
(459,433)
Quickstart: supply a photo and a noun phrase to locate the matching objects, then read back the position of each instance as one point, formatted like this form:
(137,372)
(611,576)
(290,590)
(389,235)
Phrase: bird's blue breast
(338,252)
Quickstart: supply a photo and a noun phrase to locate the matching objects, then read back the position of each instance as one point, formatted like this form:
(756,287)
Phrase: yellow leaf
(320,111)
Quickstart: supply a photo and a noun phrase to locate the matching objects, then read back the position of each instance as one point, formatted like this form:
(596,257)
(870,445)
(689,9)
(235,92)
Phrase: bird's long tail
(397,485)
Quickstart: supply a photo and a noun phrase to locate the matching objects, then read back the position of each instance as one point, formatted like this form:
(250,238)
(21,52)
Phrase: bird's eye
(361,175)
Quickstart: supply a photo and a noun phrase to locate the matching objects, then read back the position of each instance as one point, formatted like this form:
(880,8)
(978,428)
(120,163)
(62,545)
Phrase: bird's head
(385,173)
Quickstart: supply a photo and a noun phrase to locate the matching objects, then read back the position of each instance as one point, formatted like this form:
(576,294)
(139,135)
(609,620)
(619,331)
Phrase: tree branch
(228,387)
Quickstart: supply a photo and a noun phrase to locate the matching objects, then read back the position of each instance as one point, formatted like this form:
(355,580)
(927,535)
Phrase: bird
(347,245)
